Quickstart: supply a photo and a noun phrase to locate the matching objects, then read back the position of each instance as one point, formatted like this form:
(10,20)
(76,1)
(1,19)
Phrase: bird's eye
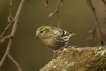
(41,31)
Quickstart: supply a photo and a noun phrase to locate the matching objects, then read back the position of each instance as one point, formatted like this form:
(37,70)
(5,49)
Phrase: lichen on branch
(79,59)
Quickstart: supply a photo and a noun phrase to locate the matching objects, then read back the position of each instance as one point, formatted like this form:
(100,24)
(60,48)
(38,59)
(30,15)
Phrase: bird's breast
(53,43)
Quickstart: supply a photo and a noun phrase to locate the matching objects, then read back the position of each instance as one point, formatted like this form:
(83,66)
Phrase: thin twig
(5,38)
(92,35)
(10,18)
(57,13)
(5,30)
(13,32)
(11,21)
(92,32)
(28,0)
(15,62)
(96,21)
(46,3)
(105,15)
(104,2)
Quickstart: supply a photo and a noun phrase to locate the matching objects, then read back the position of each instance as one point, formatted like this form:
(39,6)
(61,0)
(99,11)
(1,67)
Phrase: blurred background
(31,53)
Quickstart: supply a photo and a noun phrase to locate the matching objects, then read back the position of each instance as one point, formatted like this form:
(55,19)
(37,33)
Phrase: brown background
(31,53)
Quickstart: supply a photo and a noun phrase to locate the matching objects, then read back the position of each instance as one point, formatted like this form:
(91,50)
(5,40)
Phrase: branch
(28,0)
(96,21)
(46,3)
(15,62)
(5,38)
(11,21)
(5,30)
(57,13)
(92,35)
(79,59)
(13,32)
(105,14)
(104,2)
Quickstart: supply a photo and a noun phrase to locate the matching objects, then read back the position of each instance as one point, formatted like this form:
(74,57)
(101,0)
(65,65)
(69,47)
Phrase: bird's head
(43,32)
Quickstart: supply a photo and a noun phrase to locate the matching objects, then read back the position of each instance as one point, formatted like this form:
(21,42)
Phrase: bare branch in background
(10,18)
(46,3)
(103,33)
(105,14)
(104,1)
(92,35)
(96,22)
(5,30)
(12,34)
(28,0)
(15,62)
(57,13)
(5,38)
(11,21)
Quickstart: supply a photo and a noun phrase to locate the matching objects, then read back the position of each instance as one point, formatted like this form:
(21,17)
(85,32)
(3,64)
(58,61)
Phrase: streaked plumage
(53,37)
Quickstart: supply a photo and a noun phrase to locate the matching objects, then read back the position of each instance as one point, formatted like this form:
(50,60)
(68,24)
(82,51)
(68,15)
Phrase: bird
(53,37)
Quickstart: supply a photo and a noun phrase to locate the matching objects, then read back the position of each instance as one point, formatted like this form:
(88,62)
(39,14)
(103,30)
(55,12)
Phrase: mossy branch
(79,59)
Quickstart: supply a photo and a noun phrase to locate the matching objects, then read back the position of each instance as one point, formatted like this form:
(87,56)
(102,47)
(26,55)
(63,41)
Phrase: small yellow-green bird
(53,37)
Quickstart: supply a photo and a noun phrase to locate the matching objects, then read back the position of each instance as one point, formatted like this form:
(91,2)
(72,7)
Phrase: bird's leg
(55,54)
(65,47)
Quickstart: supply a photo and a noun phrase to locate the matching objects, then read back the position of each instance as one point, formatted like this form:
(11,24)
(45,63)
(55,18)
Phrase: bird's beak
(36,35)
